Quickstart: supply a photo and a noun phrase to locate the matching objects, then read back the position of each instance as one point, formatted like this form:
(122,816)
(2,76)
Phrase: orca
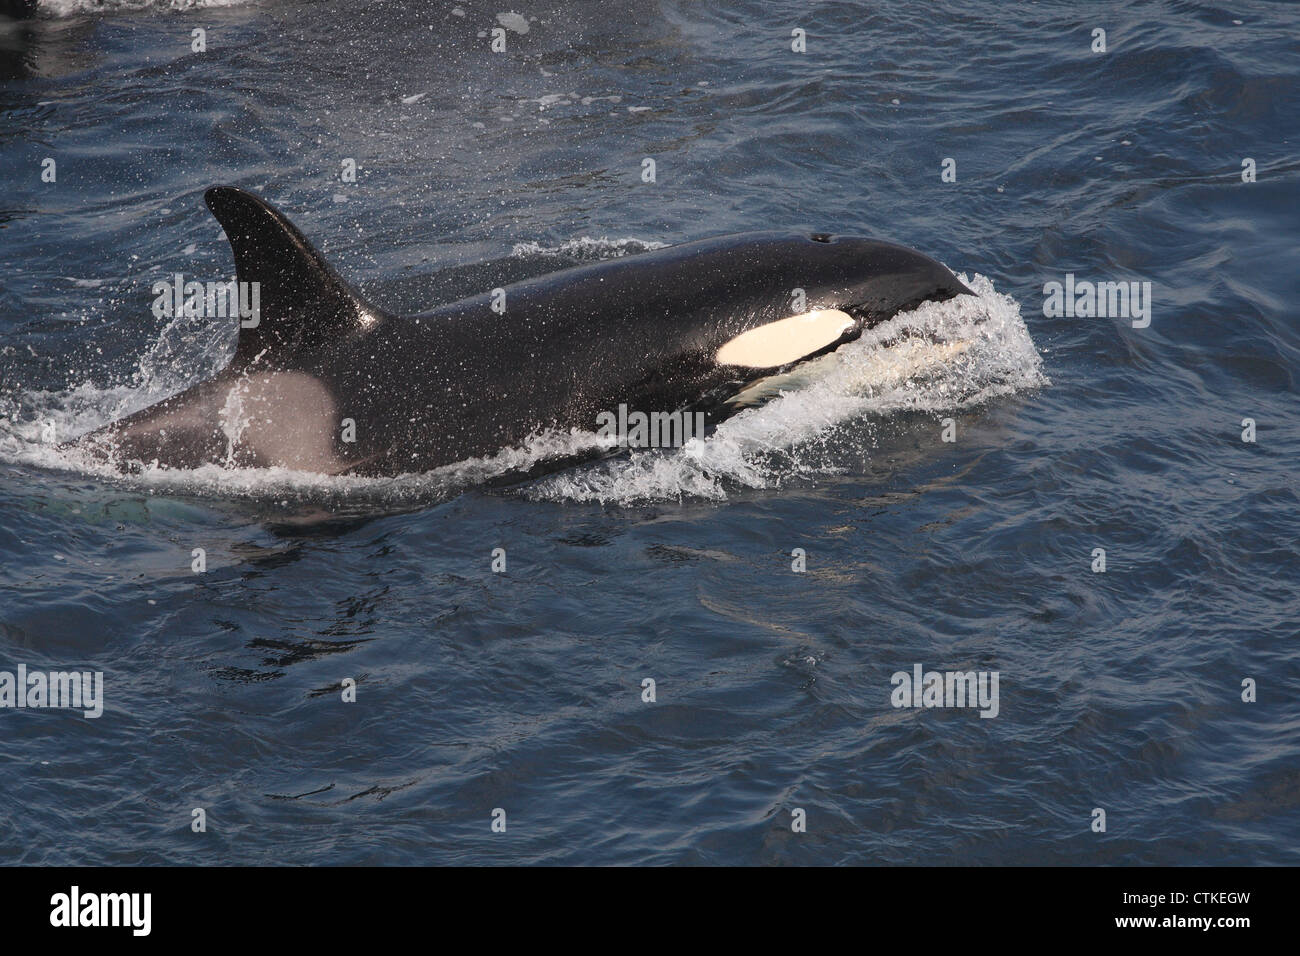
(326,381)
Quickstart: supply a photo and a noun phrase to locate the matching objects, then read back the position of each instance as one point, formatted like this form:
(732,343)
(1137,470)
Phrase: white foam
(586,247)
(72,8)
(940,357)
(516,23)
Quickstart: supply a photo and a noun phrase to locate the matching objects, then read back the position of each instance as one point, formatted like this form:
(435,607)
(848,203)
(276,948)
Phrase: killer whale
(329,382)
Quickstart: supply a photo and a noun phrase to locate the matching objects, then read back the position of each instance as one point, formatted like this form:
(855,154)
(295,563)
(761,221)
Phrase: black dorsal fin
(303,303)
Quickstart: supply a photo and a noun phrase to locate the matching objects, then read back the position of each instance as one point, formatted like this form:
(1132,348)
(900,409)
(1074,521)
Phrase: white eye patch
(785,340)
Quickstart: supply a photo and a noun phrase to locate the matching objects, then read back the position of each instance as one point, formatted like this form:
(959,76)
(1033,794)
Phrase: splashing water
(585,248)
(69,8)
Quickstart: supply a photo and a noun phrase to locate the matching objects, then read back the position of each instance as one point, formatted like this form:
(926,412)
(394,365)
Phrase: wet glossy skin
(464,380)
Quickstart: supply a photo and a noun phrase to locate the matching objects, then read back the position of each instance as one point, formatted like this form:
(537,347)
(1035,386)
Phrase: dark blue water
(522,690)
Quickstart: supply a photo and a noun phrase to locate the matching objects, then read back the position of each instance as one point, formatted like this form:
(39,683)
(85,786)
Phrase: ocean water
(1164,691)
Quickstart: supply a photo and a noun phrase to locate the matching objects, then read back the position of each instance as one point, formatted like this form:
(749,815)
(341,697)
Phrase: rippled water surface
(522,690)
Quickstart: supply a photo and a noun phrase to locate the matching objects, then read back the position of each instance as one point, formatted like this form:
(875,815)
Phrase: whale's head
(824,290)
(875,280)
